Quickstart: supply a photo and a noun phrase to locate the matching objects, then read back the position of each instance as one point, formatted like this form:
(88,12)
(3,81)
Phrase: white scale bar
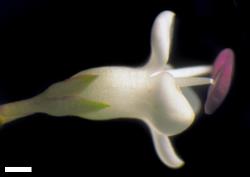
(18,169)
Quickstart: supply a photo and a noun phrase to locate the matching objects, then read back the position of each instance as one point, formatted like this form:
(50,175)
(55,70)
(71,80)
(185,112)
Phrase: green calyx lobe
(65,97)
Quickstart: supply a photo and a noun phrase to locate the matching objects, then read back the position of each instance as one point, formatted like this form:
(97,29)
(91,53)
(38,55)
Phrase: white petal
(192,98)
(161,37)
(165,150)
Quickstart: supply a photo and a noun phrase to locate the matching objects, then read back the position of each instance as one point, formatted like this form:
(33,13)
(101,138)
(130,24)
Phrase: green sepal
(70,87)
(73,106)
(64,98)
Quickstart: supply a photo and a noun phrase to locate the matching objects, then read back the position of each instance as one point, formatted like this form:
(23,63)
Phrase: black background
(42,42)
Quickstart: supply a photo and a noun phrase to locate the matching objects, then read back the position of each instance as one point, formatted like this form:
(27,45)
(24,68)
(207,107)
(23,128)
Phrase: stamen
(193,81)
(191,71)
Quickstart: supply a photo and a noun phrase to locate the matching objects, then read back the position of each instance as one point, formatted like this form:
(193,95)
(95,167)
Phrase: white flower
(155,93)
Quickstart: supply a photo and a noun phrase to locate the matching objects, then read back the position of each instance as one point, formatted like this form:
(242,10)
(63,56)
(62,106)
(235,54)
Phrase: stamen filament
(193,81)
(191,71)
